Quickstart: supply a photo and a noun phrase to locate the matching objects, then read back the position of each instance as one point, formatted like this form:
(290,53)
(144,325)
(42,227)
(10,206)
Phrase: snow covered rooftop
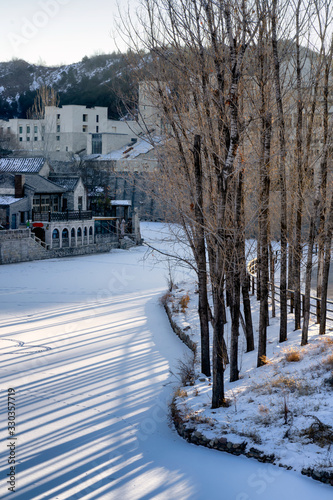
(121,203)
(128,152)
(21,165)
(8,200)
(68,183)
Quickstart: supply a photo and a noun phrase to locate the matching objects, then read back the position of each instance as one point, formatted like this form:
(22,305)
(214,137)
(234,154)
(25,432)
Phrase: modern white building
(70,129)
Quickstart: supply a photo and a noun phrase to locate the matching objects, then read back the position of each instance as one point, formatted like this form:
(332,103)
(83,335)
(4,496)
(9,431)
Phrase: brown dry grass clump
(329,361)
(184,302)
(265,360)
(293,355)
(318,432)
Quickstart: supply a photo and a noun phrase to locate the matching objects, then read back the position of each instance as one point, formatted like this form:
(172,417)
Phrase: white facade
(70,129)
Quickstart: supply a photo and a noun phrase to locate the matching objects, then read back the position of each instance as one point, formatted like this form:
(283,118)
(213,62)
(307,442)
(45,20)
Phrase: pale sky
(58,31)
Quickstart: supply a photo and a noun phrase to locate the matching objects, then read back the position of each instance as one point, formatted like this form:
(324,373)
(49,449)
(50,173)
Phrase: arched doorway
(39,232)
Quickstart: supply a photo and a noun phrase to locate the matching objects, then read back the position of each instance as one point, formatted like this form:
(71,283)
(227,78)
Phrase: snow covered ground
(86,353)
(275,408)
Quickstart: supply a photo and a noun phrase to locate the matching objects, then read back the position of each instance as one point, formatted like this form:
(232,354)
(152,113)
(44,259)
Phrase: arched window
(85,231)
(65,233)
(72,232)
(55,234)
(79,232)
(90,231)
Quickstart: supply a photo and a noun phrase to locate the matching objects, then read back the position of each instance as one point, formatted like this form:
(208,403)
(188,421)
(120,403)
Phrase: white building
(70,129)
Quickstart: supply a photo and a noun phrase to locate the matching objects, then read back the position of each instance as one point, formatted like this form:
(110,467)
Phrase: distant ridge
(99,80)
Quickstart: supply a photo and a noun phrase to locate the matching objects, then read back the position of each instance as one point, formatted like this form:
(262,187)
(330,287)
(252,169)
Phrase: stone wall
(18,246)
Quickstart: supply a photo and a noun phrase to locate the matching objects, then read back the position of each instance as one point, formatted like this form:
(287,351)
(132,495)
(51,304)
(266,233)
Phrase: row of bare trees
(241,94)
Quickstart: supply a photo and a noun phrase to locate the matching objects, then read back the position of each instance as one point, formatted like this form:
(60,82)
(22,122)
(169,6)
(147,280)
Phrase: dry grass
(199,419)
(265,360)
(263,410)
(293,355)
(180,393)
(166,298)
(328,341)
(318,432)
(184,302)
(186,372)
(251,435)
(328,362)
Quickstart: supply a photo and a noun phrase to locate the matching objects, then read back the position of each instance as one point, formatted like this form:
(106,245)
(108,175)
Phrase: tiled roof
(42,185)
(8,200)
(68,183)
(21,165)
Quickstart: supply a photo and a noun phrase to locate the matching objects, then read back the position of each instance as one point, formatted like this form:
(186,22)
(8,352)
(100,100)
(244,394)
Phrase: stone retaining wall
(181,334)
(222,444)
(18,246)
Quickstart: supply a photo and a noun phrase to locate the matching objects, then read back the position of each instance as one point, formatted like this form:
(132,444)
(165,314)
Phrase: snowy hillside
(94,81)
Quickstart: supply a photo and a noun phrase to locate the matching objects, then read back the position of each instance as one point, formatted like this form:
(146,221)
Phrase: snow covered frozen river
(86,353)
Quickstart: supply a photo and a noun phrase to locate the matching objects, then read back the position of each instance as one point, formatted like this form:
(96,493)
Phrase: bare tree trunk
(272,277)
(219,354)
(200,248)
(245,284)
(236,280)
(282,173)
(308,275)
(263,224)
(326,270)
(299,180)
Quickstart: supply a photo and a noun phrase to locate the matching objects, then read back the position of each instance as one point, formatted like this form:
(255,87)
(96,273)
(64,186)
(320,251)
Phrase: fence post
(318,310)
(291,301)
(303,302)
(252,285)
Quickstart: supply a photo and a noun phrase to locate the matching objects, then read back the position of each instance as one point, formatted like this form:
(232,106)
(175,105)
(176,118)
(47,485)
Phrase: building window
(28,129)
(90,231)
(55,203)
(58,117)
(72,232)
(35,138)
(97,118)
(21,130)
(58,137)
(65,233)
(20,139)
(35,129)
(28,139)
(58,128)
(97,129)
(84,128)
(96,144)
(85,232)
(22,220)
(85,118)
(80,202)
(45,204)
(79,232)
(55,234)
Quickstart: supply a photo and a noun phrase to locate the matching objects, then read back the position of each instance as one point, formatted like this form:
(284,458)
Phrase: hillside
(100,80)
